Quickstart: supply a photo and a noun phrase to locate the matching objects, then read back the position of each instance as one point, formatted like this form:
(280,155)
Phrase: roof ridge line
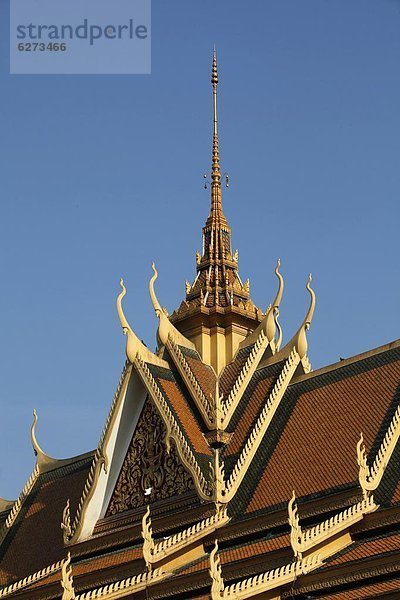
(30,579)
(15,510)
(348,361)
(72,531)
(204,405)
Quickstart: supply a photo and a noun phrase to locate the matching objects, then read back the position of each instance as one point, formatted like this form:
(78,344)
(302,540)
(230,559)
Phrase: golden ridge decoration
(260,428)
(247,588)
(165,328)
(67,583)
(120,589)
(31,579)
(370,477)
(153,551)
(204,405)
(243,379)
(174,430)
(303,540)
(133,344)
(99,459)
(19,502)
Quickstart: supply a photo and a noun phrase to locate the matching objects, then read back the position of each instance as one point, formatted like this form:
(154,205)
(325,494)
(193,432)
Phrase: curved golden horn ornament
(36,448)
(133,344)
(270,320)
(301,337)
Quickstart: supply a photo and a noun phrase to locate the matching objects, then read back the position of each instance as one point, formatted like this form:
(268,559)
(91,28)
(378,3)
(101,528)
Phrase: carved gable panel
(148,465)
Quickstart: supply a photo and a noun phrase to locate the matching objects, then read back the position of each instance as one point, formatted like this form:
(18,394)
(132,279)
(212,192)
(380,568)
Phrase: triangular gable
(148,466)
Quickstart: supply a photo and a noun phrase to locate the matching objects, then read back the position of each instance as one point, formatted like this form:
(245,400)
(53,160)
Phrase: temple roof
(227,470)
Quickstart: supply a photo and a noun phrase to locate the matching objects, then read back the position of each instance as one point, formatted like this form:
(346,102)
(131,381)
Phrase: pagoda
(227,468)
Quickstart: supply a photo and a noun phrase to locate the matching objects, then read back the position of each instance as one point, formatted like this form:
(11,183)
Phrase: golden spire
(216,171)
(216,215)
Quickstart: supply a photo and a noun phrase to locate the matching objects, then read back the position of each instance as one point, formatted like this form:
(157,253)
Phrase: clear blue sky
(100,175)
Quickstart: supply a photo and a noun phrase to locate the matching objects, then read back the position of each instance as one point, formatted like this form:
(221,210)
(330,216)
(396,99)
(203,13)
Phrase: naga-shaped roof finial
(270,317)
(300,339)
(269,323)
(42,459)
(165,329)
(133,345)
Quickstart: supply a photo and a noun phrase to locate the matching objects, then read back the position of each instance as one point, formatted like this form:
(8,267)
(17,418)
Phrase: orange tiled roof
(250,406)
(373,590)
(232,370)
(313,437)
(368,548)
(35,540)
(204,374)
(180,404)
(238,553)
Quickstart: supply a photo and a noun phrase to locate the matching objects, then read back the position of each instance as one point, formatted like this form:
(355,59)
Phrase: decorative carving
(66,523)
(148,466)
(174,431)
(295,529)
(217,586)
(67,583)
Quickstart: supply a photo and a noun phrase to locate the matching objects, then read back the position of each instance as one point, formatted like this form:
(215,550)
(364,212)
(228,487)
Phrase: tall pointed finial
(216,171)
(216,199)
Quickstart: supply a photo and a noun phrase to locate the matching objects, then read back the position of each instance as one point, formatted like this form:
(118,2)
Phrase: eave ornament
(302,541)
(259,584)
(371,476)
